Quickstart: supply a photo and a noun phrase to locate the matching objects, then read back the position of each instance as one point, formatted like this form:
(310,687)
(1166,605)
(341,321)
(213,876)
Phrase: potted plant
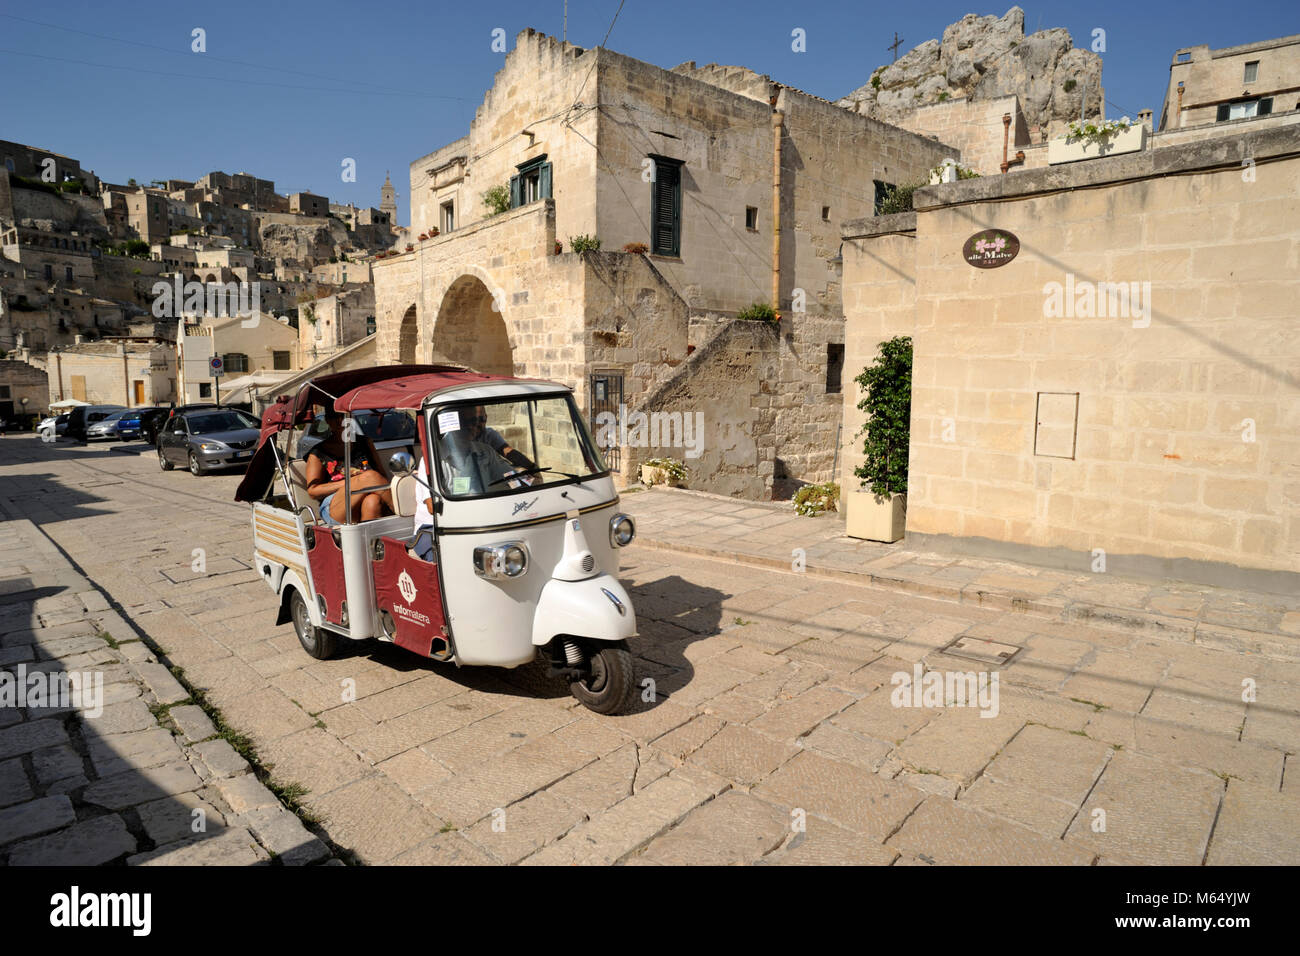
(424,236)
(659,471)
(410,248)
(878,512)
(559,247)
(433,232)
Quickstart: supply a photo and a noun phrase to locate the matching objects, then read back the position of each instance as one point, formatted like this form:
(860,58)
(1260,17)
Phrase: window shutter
(516,192)
(1265,106)
(1222,113)
(544,181)
(666,228)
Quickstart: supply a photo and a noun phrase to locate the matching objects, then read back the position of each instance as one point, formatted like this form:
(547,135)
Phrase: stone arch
(408,337)
(469,331)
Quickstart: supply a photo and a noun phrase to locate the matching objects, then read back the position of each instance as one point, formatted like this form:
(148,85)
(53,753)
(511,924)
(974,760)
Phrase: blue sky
(287,90)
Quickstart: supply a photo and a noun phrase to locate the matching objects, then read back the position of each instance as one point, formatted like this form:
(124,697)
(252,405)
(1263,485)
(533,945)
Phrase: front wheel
(195,468)
(609,687)
(316,641)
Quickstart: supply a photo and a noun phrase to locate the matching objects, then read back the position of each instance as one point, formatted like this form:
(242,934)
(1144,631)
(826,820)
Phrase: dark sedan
(204,440)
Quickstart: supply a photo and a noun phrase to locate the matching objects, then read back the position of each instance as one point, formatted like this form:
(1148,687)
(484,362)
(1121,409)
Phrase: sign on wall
(991,248)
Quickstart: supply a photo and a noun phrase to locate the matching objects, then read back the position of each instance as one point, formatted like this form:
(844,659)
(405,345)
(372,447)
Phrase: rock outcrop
(983,58)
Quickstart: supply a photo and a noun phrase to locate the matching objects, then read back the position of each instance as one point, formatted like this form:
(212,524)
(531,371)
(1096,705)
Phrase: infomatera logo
(82,690)
(1082,299)
(656,430)
(207,298)
(74,909)
(946,689)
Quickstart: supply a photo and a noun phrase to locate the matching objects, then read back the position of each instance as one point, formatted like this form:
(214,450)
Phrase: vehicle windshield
(210,422)
(499,447)
(111,417)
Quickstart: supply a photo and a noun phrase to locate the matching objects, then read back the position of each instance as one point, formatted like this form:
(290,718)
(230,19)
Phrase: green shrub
(758,312)
(898,199)
(497,200)
(875,78)
(813,500)
(1070,85)
(887,402)
(584,244)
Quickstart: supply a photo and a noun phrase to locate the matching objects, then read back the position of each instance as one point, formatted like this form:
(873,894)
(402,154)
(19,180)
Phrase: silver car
(208,439)
(106,427)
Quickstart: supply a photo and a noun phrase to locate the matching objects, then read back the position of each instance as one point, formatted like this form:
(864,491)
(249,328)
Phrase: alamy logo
(407,587)
(59,689)
(73,909)
(1082,299)
(656,430)
(172,299)
(946,689)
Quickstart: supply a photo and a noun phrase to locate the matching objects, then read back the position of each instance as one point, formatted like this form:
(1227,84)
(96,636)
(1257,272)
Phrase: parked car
(58,422)
(83,416)
(105,428)
(128,426)
(208,439)
(151,422)
(181,410)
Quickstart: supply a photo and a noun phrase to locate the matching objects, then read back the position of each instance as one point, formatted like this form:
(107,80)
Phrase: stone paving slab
(770,735)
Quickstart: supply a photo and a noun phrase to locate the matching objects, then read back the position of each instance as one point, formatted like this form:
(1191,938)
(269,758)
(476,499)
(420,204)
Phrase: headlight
(212,446)
(622,529)
(508,560)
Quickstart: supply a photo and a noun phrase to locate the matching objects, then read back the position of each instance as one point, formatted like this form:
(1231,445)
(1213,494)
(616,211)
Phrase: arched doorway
(408,336)
(470,332)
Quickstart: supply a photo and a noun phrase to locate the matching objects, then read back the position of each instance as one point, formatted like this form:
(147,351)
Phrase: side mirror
(401,463)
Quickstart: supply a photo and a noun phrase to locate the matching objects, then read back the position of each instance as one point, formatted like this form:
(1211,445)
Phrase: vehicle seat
(298,478)
(404,490)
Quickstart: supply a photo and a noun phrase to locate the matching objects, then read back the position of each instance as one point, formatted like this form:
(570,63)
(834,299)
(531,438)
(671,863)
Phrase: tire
(163,463)
(316,641)
(195,468)
(610,688)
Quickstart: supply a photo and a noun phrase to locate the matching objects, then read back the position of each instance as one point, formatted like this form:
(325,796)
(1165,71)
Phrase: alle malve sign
(990,248)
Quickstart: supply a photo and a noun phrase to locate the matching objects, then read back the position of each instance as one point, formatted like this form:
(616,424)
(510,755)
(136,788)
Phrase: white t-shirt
(423,516)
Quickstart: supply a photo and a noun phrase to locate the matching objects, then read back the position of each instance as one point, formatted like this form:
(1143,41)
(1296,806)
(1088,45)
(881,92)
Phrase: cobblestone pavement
(127,768)
(774,737)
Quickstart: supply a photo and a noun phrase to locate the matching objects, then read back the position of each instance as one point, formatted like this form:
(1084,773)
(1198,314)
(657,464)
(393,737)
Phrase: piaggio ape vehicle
(518,535)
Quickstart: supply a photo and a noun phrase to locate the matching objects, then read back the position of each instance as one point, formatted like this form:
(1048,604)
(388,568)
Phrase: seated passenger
(325,479)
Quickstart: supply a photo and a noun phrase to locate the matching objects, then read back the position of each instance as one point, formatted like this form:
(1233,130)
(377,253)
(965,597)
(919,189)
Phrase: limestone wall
(1187,442)
(975,128)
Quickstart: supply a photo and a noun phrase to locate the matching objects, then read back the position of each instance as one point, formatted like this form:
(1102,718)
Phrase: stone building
(731,183)
(24,387)
(333,322)
(309,204)
(256,343)
(129,373)
(1123,393)
(32,162)
(1236,82)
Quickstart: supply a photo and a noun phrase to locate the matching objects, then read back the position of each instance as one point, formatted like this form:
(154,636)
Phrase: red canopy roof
(408,391)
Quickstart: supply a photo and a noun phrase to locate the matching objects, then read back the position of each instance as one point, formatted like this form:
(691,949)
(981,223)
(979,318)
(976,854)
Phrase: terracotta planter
(1129,140)
(875,519)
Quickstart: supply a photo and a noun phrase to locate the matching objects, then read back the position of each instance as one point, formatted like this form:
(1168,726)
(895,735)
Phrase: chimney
(76,339)
(1144,117)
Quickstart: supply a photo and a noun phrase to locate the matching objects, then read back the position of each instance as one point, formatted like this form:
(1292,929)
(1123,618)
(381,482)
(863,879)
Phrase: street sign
(215,365)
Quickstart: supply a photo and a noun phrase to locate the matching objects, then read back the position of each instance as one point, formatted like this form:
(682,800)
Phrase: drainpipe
(777,119)
(1006,138)
(126,377)
(58,361)
(1180,106)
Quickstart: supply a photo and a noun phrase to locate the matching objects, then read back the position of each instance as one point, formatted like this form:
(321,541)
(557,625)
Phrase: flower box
(1071,150)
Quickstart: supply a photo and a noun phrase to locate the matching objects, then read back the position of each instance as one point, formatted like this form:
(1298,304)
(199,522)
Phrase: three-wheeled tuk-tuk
(493,532)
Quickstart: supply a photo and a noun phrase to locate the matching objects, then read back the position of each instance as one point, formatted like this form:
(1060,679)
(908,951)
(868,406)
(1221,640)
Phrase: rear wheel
(316,641)
(609,687)
(163,463)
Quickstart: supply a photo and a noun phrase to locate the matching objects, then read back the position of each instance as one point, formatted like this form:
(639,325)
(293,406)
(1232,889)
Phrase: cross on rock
(895,45)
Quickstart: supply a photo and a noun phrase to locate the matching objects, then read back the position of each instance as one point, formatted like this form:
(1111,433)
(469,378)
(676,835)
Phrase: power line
(577,98)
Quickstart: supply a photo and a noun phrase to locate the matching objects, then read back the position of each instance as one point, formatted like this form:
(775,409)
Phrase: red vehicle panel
(407,588)
(326,559)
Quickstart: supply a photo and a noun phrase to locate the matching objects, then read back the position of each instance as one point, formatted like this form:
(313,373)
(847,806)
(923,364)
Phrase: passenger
(325,479)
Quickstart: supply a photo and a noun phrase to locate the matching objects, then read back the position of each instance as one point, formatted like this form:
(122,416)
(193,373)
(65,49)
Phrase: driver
(473,464)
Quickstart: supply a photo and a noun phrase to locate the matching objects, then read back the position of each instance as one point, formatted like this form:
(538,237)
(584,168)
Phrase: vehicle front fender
(583,609)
